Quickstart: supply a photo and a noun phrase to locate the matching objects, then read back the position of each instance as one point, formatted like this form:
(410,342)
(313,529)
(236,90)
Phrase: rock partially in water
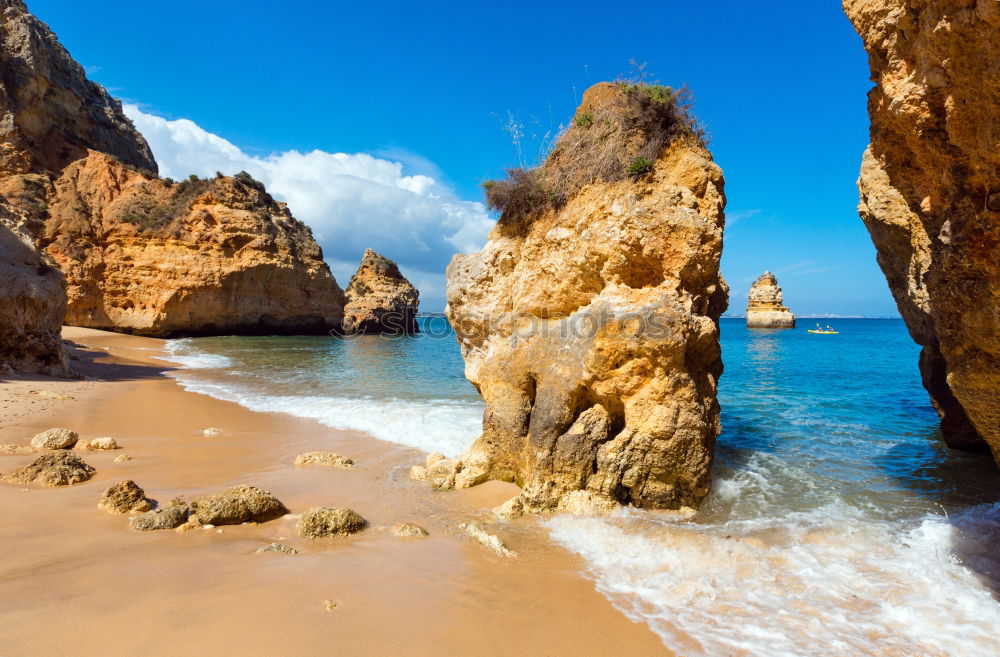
(97,444)
(409,530)
(59,468)
(764,305)
(929,198)
(589,321)
(319,522)
(324,458)
(476,532)
(121,458)
(124,497)
(380,299)
(173,515)
(237,505)
(55,439)
(277,547)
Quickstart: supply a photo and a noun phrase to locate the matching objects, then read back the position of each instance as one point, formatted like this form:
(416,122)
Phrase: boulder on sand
(173,515)
(409,530)
(124,497)
(59,468)
(237,505)
(55,439)
(324,458)
(324,521)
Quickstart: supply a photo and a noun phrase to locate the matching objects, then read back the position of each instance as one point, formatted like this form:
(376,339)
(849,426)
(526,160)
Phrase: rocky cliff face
(764,308)
(33,299)
(380,299)
(589,321)
(141,254)
(930,194)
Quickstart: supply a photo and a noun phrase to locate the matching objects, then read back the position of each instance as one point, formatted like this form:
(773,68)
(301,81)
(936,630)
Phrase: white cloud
(352,201)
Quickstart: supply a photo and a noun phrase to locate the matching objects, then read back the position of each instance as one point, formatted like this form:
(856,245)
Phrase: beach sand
(75,580)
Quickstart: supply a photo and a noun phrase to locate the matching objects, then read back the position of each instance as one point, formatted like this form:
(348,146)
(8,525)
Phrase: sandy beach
(77,581)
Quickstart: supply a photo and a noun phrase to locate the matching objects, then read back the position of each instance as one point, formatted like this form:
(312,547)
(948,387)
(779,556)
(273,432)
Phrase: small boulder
(442,473)
(211,432)
(53,469)
(121,458)
(124,497)
(237,505)
(418,472)
(173,515)
(103,444)
(324,521)
(278,547)
(409,530)
(55,439)
(15,450)
(324,458)
(433,458)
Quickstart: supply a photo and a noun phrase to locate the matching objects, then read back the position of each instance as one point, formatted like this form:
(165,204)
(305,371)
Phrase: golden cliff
(141,254)
(380,299)
(764,305)
(589,321)
(930,194)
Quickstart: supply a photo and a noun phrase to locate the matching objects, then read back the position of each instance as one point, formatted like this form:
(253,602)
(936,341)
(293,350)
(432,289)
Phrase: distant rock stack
(380,299)
(764,309)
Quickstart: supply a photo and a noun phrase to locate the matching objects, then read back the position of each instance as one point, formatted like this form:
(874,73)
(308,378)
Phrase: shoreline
(166,593)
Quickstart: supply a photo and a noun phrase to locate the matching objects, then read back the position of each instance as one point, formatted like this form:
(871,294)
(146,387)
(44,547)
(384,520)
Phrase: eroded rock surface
(380,299)
(930,194)
(330,459)
(124,497)
(589,322)
(59,468)
(173,515)
(319,522)
(236,505)
(55,439)
(764,305)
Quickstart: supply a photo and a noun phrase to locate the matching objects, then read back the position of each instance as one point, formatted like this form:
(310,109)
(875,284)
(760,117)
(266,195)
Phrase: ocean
(838,522)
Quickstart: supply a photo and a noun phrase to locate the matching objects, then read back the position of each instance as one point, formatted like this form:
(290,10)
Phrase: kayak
(824,332)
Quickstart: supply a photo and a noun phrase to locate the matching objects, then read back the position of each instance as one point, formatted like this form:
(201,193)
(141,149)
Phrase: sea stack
(380,299)
(930,195)
(141,254)
(764,309)
(589,321)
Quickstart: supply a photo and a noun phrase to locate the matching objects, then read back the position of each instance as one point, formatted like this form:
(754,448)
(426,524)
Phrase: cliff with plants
(141,254)
(589,321)
(930,194)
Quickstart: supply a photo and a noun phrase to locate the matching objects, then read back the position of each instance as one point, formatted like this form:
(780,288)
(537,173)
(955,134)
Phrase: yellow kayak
(824,332)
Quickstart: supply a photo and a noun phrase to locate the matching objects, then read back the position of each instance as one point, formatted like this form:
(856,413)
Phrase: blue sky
(781,87)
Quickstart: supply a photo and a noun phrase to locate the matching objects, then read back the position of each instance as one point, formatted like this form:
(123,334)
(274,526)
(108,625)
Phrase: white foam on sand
(825,582)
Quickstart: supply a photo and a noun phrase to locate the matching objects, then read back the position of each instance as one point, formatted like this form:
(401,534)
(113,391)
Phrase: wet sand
(75,580)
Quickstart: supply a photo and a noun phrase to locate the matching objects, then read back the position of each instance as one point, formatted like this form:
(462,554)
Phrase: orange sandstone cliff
(141,254)
(589,321)
(930,194)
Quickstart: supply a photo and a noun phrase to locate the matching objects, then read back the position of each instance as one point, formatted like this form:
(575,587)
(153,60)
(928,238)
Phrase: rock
(589,321)
(330,605)
(277,547)
(433,458)
(15,450)
(926,185)
(211,432)
(324,521)
(409,530)
(489,541)
(60,468)
(124,497)
(380,299)
(324,458)
(764,309)
(103,443)
(55,439)
(237,505)
(173,515)
(121,458)
(418,472)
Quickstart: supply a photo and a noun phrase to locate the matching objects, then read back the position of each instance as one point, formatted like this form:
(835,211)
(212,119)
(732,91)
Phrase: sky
(378,121)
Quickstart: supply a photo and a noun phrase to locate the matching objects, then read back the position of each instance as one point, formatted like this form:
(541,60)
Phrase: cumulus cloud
(352,201)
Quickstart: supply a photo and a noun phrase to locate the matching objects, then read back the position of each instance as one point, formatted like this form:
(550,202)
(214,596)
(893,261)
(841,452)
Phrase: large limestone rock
(55,439)
(589,321)
(764,309)
(930,195)
(236,505)
(124,497)
(147,256)
(60,468)
(380,299)
(320,522)
(139,254)
(33,299)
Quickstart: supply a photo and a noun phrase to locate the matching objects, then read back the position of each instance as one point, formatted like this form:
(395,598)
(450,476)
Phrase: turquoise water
(838,523)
